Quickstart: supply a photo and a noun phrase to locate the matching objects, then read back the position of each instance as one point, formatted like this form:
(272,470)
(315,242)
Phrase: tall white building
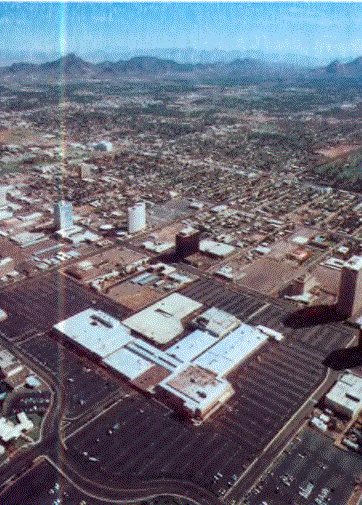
(137,217)
(349,301)
(63,215)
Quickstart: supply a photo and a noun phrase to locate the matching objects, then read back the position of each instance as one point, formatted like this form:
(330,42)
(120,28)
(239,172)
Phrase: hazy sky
(319,30)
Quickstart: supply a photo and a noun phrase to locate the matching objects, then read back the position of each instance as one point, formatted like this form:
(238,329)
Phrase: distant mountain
(22,67)
(150,64)
(69,65)
(353,69)
(71,68)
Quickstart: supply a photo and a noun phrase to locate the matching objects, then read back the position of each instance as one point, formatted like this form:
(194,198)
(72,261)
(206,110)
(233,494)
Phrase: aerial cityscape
(180,253)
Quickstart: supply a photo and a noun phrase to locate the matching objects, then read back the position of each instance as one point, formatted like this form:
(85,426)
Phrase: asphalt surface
(149,450)
(310,471)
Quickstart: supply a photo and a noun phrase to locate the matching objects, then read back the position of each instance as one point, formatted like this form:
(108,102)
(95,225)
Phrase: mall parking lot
(269,388)
(40,303)
(44,485)
(310,471)
(212,293)
(141,438)
(85,383)
(259,310)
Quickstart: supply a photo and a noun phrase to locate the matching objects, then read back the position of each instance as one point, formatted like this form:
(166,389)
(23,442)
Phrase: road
(96,484)
(272,450)
(102,486)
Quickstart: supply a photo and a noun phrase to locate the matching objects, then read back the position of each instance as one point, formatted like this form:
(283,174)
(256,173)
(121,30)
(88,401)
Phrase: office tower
(63,215)
(137,217)
(349,301)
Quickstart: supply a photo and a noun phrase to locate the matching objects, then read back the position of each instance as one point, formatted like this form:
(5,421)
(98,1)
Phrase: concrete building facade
(137,217)
(349,301)
(63,215)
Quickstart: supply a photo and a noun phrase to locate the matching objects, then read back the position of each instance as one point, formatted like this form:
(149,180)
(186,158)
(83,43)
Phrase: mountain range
(72,68)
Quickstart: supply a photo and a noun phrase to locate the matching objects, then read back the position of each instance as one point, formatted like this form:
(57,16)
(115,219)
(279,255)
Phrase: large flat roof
(215,248)
(354,263)
(96,331)
(197,388)
(191,346)
(128,363)
(347,393)
(162,321)
(231,350)
(217,322)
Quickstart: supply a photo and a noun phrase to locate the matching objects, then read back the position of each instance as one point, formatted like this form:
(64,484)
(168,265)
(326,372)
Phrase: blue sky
(322,31)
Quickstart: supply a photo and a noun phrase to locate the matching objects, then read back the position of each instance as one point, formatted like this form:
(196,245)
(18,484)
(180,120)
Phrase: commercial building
(162,321)
(232,350)
(7,265)
(77,235)
(187,242)
(63,215)
(216,249)
(345,397)
(216,321)
(94,331)
(9,430)
(27,239)
(137,217)
(349,301)
(128,363)
(3,194)
(191,346)
(195,390)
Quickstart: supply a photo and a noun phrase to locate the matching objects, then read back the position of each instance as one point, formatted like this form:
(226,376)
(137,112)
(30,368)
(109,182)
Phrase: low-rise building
(163,321)
(216,321)
(345,397)
(94,331)
(195,390)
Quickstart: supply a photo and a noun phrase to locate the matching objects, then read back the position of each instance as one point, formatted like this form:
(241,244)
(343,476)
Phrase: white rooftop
(6,358)
(354,263)
(26,238)
(215,248)
(191,346)
(347,393)
(162,320)
(300,240)
(96,331)
(197,388)
(5,214)
(217,322)
(231,350)
(151,353)
(128,363)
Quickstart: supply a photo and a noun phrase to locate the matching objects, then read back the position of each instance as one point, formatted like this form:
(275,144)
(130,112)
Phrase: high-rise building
(187,242)
(349,301)
(63,215)
(137,217)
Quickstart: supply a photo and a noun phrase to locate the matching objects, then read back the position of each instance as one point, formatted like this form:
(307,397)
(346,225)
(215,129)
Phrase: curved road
(95,483)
